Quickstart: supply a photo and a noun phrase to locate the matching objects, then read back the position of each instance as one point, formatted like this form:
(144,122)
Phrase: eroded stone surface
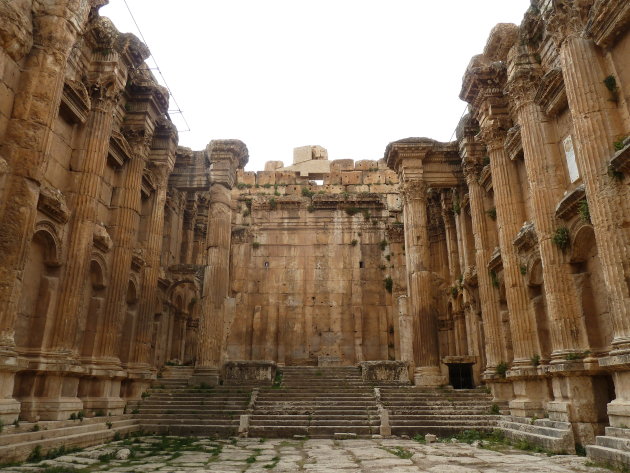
(313,455)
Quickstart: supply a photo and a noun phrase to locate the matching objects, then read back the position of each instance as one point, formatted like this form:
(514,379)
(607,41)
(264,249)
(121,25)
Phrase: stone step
(441,421)
(439,430)
(99,433)
(615,443)
(198,410)
(305,417)
(618,432)
(196,430)
(316,422)
(177,421)
(285,431)
(76,427)
(539,429)
(608,456)
(179,415)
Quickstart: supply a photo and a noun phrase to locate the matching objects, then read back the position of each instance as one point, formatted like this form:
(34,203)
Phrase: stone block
(385,371)
(265,177)
(430,438)
(342,165)
(248,372)
(365,165)
(246,177)
(273,165)
(351,177)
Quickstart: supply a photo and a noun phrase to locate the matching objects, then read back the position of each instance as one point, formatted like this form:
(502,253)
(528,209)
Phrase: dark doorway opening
(460,375)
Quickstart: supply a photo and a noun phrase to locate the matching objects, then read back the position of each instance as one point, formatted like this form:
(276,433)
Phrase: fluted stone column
(139,366)
(419,282)
(101,391)
(225,157)
(510,219)
(26,149)
(545,173)
(483,250)
(595,125)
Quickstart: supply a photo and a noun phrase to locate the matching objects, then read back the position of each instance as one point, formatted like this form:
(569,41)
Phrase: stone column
(596,124)
(545,173)
(101,390)
(483,250)
(26,148)
(139,367)
(510,219)
(405,332)
(225,157)
(419,282)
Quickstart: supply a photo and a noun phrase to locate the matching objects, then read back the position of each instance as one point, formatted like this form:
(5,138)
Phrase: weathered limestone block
(351,177)
(341,165)
(273,165)
(386,372)
(285,177)
(366,165)
(246,177)
(265,177)
(248,372)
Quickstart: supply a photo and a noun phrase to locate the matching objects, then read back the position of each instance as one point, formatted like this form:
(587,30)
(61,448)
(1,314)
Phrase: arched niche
(95,301)
(591,288)
(39,289)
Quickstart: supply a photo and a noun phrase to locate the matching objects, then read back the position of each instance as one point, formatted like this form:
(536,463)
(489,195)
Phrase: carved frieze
(495,263)
(138,259)
(119,151)
(396,232)
(53,203)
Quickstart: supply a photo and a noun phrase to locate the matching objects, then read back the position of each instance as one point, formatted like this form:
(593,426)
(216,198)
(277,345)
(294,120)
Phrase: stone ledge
(248,372)
(389,372)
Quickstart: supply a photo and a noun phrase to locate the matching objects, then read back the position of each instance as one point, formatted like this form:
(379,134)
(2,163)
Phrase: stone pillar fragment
(420,281)
(225,158)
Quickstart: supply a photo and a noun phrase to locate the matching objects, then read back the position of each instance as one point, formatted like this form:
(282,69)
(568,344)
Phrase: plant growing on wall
(306,192)
(614,174)
(494,278)
(255,245)
(535,359)
(583,211)
(561,238)
(501,369)
(492,213)
(389,284)
(383,244)
(456,207)
(523,269)
(273,204)
(611,84)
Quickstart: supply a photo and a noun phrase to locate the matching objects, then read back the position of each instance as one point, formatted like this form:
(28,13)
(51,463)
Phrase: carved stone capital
(472,170)
(493,133)
(523,77)
(608,21)
(101,34)
(567,18)
(414,190)
(139,139)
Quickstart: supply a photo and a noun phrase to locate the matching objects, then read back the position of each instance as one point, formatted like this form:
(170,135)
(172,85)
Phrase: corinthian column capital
(414,189)
(567,18)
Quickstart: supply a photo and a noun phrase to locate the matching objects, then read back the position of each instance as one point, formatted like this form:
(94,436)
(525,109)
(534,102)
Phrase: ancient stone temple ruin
(496,266)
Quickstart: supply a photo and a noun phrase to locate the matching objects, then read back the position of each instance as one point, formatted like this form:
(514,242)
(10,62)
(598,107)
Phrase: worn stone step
(617,443)
(55,438)
(439,430)
(316,422)
(536,428)
(618,432)
(192,430)
(608,455)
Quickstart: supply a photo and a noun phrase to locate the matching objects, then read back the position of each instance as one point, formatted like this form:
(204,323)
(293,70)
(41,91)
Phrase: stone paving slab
(390,455)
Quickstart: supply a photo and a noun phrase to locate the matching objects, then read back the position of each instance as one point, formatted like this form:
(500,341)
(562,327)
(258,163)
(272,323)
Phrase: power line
(460,118)
(159,71)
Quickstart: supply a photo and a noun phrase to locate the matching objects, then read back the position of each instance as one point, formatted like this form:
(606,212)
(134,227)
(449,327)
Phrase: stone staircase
(17,443)
(318,402)
(612,448)
(176,408)
(440,411)
(551,435)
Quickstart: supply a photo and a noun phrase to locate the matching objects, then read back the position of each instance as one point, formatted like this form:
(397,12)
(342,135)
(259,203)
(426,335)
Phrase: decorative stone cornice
(76,100)
(495,263)
(52,203)
(138,259)
(526,239)
(568,206)
(566,18)
(551,94)
(620,161)
(609,19)
(485,178)
(513,143)
(119,150)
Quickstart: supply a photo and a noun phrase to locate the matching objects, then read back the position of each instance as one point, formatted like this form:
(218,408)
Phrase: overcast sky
(349,75)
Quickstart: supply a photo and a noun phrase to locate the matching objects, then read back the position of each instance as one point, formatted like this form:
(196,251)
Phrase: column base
(100,393)
(9,407)
(37,409)
(429,376)
(9,411)
(529,400)
(103,406)
(203,375)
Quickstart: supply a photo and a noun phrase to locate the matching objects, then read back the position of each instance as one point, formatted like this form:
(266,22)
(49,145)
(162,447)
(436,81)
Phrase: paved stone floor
(172,454)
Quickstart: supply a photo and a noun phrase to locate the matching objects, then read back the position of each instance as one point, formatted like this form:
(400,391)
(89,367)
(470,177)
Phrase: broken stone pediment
(568,206)
(52,203)
(101,238)
(526,238)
